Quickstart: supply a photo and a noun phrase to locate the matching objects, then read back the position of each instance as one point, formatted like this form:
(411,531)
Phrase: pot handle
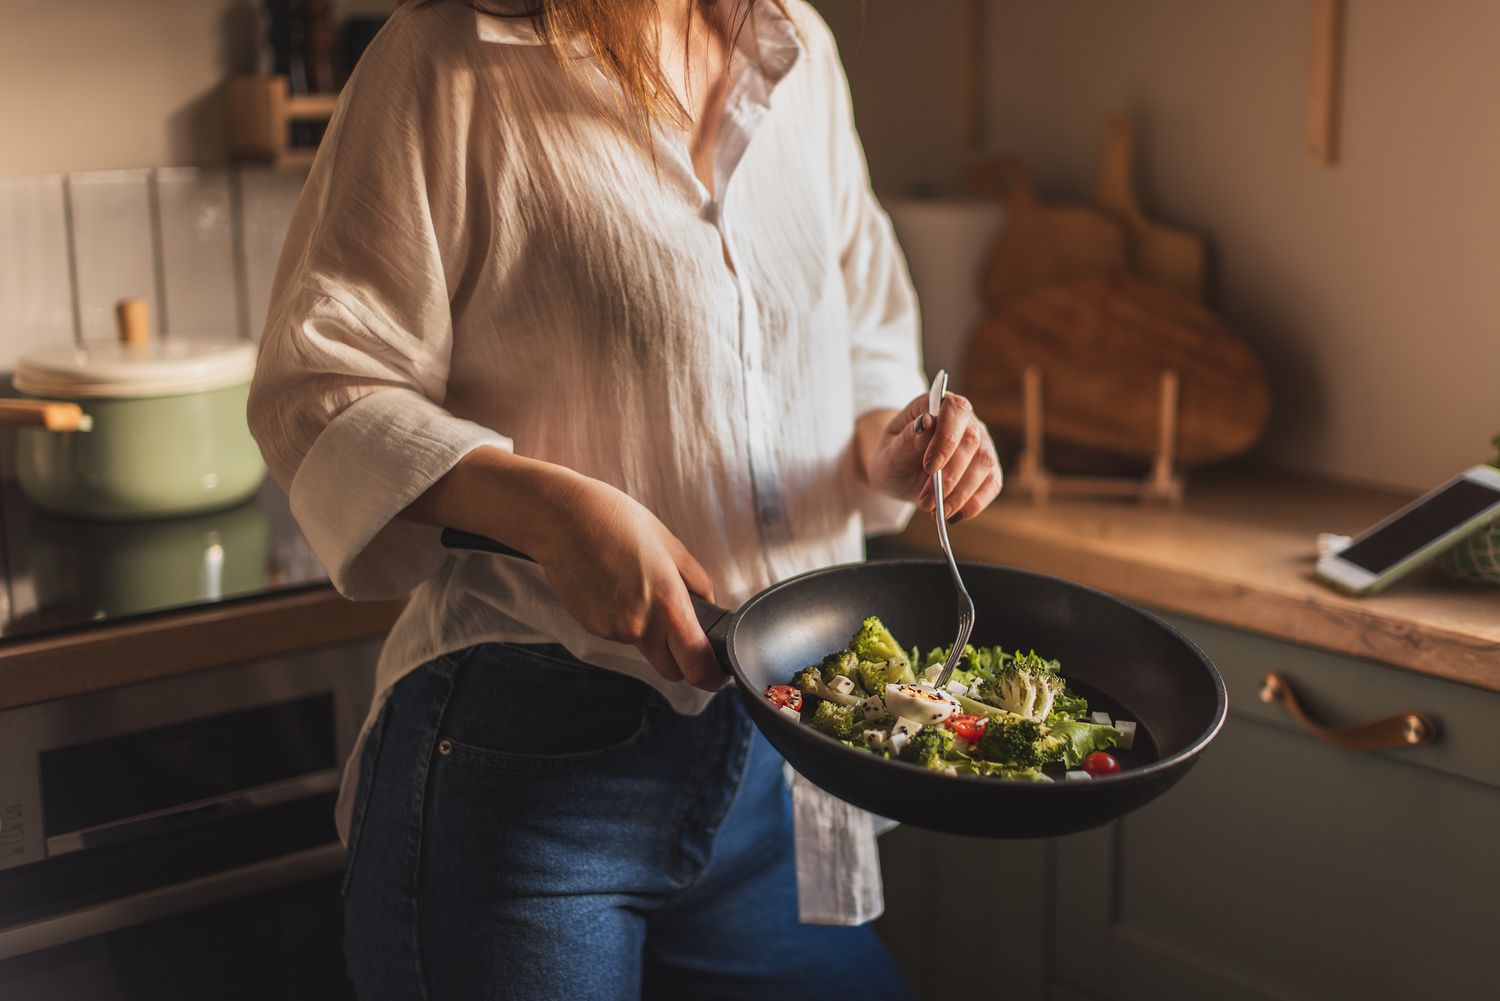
(714,620)
(50,415)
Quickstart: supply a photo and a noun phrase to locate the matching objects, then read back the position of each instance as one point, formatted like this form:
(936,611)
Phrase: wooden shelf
(262,111)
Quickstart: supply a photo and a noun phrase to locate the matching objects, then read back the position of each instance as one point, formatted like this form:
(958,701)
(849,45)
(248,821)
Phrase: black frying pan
(1125,661)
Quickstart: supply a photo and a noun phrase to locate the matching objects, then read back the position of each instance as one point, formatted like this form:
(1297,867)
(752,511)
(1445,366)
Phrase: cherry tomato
(970,728)
(1099,764)
(784,695)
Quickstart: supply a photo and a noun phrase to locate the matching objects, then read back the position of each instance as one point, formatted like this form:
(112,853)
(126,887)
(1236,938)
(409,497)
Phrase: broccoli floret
(930,748)
(876,674)
(1026,685)
(841,662)
(843,722)
(874,642)
(1016,744)
(809,680)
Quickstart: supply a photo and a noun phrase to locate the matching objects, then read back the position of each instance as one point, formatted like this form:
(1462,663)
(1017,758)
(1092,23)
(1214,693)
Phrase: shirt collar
(769,39)
(513,30)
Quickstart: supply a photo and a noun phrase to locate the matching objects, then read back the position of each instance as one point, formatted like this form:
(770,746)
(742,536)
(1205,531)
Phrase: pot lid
(168,367)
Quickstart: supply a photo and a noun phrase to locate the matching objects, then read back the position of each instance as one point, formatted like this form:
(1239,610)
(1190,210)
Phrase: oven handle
(168,900)
(169,818)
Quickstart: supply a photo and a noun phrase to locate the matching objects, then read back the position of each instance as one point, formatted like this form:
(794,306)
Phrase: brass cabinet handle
(1390,733)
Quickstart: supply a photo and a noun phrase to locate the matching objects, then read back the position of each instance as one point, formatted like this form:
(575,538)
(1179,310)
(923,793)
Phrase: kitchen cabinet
(1280,867)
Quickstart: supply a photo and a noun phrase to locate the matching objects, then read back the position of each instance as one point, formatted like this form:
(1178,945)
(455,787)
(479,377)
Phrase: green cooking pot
(136,428)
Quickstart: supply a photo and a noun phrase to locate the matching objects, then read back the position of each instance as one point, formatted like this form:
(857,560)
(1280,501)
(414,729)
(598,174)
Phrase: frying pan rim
(1166,764)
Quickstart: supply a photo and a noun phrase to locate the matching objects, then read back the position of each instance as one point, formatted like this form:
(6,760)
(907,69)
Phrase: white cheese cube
(874,708)
(1126,729)
(1075,774)
(896,741)
(909,727)
(789,712)
(931,674)
(876,739)
(844,686)
(1101,718)
(958,688)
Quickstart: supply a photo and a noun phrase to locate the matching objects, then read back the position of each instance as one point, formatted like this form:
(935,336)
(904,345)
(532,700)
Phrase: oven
(176,838)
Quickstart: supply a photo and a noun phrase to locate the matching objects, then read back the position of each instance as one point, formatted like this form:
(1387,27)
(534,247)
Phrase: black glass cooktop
(61,573)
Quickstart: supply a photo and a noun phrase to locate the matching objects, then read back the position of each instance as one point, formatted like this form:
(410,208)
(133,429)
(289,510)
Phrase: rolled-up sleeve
(347,400)
(885,326)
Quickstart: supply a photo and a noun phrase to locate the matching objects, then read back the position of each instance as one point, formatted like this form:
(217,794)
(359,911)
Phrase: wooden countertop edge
(1333,623)
(172,643)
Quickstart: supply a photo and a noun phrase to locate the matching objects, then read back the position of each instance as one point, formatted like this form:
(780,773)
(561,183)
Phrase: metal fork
(965,603)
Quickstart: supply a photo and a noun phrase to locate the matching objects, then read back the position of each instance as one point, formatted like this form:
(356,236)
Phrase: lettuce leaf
(1082,739)
(1071,705)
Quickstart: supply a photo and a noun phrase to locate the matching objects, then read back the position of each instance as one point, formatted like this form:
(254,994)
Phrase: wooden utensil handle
(53,415)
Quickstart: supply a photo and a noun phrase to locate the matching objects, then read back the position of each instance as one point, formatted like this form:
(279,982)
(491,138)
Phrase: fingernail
(921,424)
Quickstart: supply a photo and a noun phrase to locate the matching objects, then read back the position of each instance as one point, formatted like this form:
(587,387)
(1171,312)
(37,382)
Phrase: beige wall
(1370,288)
(97,84)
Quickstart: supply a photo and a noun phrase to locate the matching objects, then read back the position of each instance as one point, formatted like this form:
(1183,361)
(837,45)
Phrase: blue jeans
(530,827)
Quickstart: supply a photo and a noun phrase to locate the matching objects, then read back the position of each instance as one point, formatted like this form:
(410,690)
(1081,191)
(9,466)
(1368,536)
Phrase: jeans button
(445,747)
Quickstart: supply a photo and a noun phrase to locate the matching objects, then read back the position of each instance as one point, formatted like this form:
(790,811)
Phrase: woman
(607,283)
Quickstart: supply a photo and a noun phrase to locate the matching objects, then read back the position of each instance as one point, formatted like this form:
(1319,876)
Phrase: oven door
(174,805)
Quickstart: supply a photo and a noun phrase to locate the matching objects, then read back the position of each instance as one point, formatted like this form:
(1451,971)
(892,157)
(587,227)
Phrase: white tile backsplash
(197,229)
(113,245)
(36,285)
(267,198)
(200,244)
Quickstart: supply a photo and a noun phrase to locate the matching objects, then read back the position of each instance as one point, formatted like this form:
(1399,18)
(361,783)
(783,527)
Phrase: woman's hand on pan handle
(614,565)
(900,450)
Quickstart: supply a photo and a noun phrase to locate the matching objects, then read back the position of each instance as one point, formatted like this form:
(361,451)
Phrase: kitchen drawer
(1338,690)
(1282,867)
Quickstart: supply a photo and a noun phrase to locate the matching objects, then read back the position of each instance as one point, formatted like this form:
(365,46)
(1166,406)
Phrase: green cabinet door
(987,938)
(1282,867)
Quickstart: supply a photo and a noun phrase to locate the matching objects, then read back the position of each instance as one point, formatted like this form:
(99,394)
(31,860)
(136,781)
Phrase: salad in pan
(1004,714)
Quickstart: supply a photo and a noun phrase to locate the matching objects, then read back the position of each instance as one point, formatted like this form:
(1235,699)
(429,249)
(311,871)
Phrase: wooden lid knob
(133,316)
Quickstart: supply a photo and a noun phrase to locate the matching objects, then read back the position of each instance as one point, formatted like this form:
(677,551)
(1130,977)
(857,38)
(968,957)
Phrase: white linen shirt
(481,257)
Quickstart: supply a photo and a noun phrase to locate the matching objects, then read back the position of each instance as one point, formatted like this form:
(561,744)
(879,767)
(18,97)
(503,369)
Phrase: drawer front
(1282,867)
(1340,690)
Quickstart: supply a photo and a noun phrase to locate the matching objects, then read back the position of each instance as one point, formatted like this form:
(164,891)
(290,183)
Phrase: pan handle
(714,620)
(1388,734)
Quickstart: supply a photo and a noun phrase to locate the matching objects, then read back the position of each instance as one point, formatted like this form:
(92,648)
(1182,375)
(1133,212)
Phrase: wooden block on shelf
(262,110)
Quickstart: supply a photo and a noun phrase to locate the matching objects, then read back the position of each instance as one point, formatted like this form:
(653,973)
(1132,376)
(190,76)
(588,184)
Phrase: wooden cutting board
(1101,342)
(1041,243)
(1164,255)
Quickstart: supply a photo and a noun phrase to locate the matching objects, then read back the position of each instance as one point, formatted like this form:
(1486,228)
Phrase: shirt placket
(743,112)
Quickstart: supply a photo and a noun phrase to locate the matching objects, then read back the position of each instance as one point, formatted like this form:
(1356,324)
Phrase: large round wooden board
(1101,343)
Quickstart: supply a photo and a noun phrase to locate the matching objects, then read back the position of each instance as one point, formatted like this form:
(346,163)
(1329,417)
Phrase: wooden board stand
(1162,483)
(261,112)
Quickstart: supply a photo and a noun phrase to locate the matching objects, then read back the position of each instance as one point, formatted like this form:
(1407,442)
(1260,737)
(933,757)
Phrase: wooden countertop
(1240,551)
(147,647)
